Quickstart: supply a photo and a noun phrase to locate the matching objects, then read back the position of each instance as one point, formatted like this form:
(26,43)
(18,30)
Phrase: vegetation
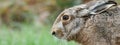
(29,35)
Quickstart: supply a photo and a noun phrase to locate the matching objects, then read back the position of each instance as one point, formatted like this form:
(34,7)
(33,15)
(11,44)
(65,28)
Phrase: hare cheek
(60,26)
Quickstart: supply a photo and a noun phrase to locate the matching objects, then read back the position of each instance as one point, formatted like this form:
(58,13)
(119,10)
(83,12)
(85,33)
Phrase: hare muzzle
(58,33)
(57,30)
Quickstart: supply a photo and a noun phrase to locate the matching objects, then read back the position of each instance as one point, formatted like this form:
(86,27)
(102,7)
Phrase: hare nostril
(53,33)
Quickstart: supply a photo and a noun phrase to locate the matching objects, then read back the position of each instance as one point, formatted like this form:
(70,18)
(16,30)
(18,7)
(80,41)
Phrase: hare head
(73,20)
(68,22)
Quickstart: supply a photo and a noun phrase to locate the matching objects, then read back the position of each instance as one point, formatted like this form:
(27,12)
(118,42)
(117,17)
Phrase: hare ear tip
(112,2)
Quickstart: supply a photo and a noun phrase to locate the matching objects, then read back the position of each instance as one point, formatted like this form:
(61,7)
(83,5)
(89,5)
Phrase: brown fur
(102,29)
(98,29)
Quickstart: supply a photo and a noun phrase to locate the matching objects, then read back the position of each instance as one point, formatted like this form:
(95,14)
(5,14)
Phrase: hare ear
(103,7)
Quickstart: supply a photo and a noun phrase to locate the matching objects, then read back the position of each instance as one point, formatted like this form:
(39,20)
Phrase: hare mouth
(60,36)
(63,36)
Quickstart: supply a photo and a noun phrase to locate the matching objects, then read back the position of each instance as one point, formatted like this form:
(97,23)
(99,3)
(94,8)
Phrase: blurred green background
(28,22)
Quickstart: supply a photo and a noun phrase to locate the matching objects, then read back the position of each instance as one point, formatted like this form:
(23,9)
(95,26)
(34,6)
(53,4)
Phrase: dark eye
(65,17)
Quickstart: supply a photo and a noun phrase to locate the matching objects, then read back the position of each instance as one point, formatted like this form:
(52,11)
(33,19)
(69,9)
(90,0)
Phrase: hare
(90,24)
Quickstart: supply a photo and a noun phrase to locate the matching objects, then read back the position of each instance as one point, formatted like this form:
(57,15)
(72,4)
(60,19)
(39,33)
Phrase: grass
(29,35)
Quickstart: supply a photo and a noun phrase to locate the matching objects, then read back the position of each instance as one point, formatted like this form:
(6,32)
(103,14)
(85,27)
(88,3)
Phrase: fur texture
(81,26)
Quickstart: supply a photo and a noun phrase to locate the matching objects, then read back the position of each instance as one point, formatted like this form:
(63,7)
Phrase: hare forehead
(74,10)
(69,12)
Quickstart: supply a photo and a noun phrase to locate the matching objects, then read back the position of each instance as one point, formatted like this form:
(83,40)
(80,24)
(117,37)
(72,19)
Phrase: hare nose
(53,33)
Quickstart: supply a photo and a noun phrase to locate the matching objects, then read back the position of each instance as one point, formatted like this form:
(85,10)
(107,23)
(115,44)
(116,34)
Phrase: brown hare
(92,23)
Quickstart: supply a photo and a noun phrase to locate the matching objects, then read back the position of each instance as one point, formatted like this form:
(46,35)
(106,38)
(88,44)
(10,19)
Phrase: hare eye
(65,17)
